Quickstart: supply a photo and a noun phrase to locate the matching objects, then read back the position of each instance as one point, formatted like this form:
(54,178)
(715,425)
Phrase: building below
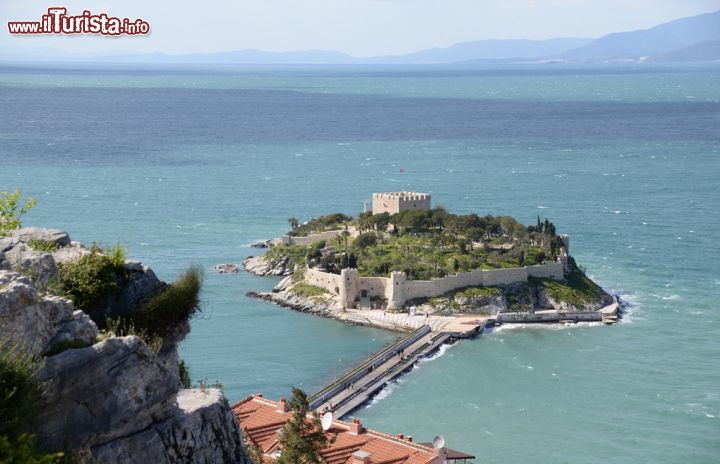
(350,442)
(397,202)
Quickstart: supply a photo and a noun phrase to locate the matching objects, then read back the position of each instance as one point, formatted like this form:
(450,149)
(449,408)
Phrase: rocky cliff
(105,398)
(268,266)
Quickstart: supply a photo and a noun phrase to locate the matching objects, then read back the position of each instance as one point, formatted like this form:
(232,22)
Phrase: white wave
(544,326)
(382,394)
(441,351)
(542,207)
(671,297)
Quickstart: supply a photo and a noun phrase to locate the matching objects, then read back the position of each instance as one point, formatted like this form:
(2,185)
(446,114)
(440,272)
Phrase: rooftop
(401,194)
(351,443)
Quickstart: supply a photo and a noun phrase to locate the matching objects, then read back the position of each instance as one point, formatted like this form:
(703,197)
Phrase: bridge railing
(369,364)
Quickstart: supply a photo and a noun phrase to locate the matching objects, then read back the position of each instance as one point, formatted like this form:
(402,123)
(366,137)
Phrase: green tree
(302,439)
(293,222)
(346,236)
(11,209)
(365,240)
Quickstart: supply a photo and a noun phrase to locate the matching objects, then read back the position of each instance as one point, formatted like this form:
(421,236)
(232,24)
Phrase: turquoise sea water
(191,166)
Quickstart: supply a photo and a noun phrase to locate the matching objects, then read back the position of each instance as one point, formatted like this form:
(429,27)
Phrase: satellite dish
(326,421)
(438,442)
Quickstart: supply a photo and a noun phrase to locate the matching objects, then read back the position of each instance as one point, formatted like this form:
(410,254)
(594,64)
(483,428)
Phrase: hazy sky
(358,27)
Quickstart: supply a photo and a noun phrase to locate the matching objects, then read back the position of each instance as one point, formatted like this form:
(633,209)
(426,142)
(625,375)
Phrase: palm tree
(346,234)
(293,223)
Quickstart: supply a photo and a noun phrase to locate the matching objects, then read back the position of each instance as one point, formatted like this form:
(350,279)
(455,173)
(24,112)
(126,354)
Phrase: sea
(192,165)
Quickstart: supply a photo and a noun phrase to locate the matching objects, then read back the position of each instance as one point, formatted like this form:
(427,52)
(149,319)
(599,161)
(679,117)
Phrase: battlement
(397,202)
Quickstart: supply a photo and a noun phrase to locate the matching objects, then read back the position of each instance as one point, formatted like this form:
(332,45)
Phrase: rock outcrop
(203,430)
(226,268)
(266,266)
(106,398)
(288,299)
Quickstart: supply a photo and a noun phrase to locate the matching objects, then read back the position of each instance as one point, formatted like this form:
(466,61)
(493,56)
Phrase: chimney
(409,439)
(360,457)
(400,436)
(356,427)
(282,405)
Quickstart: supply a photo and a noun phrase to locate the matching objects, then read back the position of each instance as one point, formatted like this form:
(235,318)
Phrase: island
(405,257)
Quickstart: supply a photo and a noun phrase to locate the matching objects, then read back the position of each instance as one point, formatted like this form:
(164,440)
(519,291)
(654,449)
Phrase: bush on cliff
(19,399)
(579,289)
(171,308)
(92,278)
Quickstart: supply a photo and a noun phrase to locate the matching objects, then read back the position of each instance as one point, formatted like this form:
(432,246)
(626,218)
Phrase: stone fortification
(397,202)
(350,287)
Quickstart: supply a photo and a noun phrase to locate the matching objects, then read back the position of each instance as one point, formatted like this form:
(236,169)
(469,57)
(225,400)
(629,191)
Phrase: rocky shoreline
(262,266)
(290,300)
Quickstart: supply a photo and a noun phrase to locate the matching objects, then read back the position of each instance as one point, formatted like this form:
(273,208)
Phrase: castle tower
(349,287)
(397,202)
(396,298)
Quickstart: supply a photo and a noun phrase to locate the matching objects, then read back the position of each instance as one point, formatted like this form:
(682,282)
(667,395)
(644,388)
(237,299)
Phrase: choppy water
(193,166)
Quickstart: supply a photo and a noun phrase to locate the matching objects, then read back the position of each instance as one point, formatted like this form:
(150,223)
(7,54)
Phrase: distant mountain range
(696,38)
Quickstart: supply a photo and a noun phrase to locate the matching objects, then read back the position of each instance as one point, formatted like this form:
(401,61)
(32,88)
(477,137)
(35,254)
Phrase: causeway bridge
(361,382)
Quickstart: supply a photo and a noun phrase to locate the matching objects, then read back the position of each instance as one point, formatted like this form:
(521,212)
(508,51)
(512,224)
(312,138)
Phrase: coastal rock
(264,266)
(26,234)
(226,268)
(96,394)
(79,328)
(284,284)
(298,303)
(27,320)
(70,253)
(203,430)
(141,284)
(38,264)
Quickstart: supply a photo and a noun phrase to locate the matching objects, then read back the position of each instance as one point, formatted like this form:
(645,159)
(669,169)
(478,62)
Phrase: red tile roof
(262,419)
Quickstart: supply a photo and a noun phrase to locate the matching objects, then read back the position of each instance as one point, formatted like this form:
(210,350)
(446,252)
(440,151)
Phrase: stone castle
(350,288)
(397,202)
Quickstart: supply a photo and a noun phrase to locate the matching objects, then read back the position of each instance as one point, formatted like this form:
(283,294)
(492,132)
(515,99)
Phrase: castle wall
(397,289)
(550,271)
(326,280)
(375,286)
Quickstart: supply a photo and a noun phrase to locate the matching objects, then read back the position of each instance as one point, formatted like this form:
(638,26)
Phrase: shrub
(43,245)
(22,450)
(19,399)
(174,306)
(11,211)
(18,391)
(92,278)
(122,327)
(66,345)
(185,379)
